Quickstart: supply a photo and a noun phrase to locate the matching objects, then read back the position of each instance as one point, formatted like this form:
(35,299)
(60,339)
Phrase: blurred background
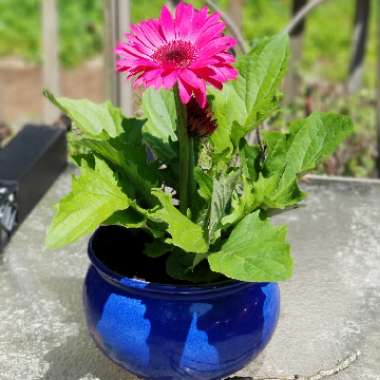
(334,66)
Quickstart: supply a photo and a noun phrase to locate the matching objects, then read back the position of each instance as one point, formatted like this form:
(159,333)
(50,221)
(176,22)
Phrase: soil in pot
(121,250)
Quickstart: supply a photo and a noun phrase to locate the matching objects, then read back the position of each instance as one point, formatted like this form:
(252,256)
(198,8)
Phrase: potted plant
(184,258)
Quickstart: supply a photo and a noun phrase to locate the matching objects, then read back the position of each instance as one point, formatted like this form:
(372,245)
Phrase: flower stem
(186,157)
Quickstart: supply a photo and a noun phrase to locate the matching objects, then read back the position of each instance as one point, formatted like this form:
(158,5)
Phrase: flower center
(175,54)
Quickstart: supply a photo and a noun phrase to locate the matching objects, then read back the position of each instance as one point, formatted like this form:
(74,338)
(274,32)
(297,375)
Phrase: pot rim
(127,283)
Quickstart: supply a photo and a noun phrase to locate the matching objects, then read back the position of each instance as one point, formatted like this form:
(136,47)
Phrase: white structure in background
(117,21)
(50,56)
(117,18)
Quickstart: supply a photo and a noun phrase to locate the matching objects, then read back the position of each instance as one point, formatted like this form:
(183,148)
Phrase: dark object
(135,264)
(200,122)
(29,165)
(359,44)
(300,27)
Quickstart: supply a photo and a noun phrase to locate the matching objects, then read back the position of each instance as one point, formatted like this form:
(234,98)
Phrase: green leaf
(180,265)
(256,251)
(247,101)
(184,233)
(245,201)
(95,120)
(220,201)
(268,194)
(127,152)
(308,143)
(204,182)
(250,157)
(157,249)
(129,218)
(95,196)
(261,72)
(160,128)
(242,203)
(224,106)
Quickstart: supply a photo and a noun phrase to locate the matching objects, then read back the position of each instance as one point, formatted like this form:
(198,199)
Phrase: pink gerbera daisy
(189,50)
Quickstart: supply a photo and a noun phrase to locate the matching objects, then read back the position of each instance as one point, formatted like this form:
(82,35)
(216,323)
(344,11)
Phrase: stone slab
(330,308)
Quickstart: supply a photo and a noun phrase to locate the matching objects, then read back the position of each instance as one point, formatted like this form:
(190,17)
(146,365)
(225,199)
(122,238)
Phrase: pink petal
(143,49)
(134,41)
(152,32)
(198,86)
(225,57)
(183,19)
(167,24)
(211,21)
(169,79)
(217,84)
(204,62)
(124,49)
(218,45)
(152,74)
(184,92)
(200,95)
(200,18)
(212,33)
(208,75)
(141,36)
(190,78)
(227,72)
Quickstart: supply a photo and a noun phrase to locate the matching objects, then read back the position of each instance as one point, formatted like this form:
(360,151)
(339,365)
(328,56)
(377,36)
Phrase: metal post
(359,43)
(50,70)
(117,22)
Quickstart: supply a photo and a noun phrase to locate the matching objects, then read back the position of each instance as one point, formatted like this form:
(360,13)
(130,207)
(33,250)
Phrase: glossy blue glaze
(166,332)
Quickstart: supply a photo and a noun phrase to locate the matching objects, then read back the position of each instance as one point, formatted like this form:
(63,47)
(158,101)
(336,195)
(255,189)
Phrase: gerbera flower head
(188,49)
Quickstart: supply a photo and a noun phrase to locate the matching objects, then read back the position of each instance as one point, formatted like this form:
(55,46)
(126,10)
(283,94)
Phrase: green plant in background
(357,155)
(326,51)
(20,28)
(80,26)
(222,226)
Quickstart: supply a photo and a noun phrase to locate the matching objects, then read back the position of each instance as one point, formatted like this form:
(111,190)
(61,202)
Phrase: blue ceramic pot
(170,332)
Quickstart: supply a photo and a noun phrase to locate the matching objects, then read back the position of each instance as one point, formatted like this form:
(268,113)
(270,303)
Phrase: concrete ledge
(330,308)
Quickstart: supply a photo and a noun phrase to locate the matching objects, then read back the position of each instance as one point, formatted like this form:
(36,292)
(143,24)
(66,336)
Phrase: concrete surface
(329,309)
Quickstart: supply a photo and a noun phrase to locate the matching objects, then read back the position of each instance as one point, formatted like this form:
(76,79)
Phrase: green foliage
(227,230)
(290,155)
(161,126)
(244,103)
(80,29)
(184,233)
(255,251)
(356,157)
(95,196)
(222,189)
(94,120)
